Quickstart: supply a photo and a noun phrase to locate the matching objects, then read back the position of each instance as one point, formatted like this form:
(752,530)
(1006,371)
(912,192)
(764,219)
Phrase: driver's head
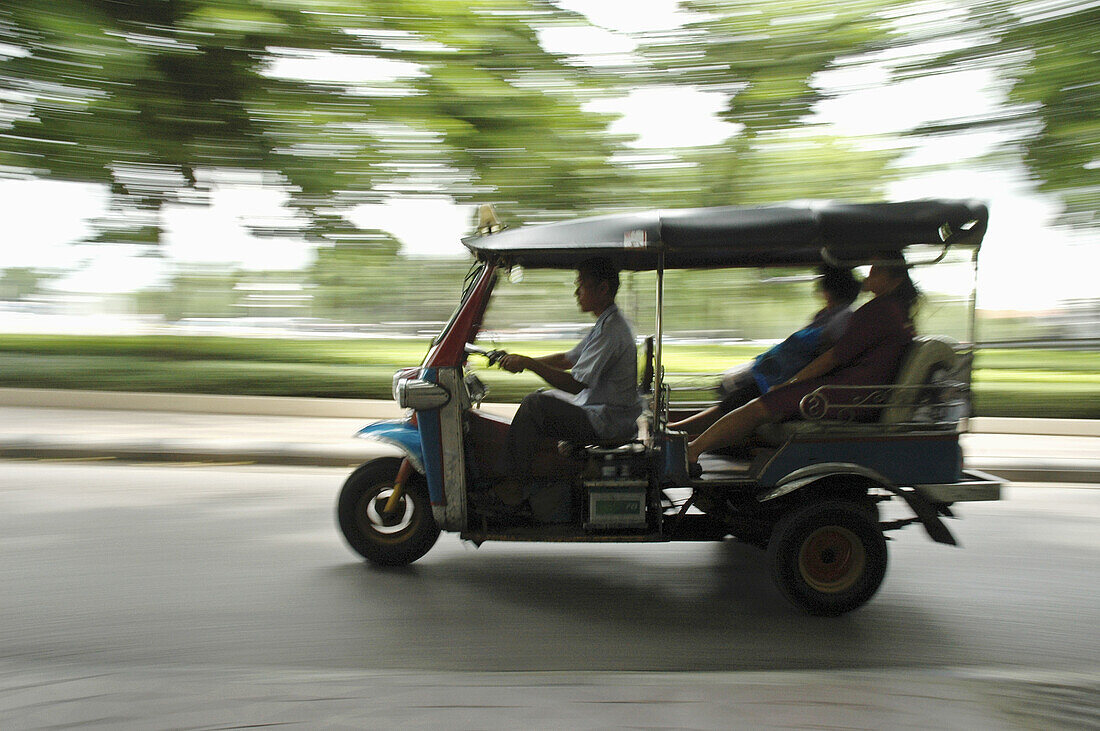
(597,284)
(600,269)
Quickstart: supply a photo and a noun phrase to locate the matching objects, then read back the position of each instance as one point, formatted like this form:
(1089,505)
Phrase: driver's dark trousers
(541,416)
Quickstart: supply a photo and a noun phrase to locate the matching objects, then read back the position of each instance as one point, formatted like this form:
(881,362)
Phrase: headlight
(400,376)
(413,393)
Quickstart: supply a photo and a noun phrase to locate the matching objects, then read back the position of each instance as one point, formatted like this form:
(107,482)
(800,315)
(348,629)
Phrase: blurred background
(267,196)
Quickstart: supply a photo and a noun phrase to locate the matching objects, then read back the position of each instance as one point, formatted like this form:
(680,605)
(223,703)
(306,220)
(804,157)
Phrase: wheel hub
(832,559)
(373,517)
(391,518)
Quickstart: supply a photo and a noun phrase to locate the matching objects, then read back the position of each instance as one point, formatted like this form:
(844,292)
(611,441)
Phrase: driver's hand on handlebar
(514,363)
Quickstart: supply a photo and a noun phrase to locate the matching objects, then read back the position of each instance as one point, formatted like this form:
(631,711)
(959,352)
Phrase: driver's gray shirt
(606,362)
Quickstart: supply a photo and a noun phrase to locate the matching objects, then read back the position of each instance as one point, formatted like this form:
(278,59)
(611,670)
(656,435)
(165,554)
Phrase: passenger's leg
(731,429)
(697,423)
(738,397)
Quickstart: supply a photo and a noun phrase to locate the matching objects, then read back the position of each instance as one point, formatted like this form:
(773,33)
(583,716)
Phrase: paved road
(201,596)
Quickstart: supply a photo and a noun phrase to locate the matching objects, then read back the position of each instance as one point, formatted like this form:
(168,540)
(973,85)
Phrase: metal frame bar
(828,258)
(658,368)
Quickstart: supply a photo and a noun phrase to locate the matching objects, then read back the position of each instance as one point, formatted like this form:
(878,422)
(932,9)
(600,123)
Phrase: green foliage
(765,54)
(343,277)
(162,102)
(1047,383)
(193,294)
(1045,53)
(159,101)
(390,353)
(19,283)
(246,378)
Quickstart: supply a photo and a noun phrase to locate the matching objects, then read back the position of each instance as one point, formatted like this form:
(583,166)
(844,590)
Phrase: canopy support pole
(972,324)
(658,369)
(971,334)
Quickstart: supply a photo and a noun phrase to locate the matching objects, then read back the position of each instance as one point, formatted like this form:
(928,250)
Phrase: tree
(18,283)
(196,292)
(768,168)
(1044,54)
(764,55)
(346,280)
(158,99)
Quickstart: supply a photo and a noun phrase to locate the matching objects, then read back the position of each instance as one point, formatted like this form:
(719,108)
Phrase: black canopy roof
(733,236)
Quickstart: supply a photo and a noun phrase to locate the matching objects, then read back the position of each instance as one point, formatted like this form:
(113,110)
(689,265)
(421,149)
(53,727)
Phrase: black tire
(828,557)
(386,540)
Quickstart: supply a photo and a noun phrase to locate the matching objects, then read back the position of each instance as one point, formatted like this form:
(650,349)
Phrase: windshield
(467,287)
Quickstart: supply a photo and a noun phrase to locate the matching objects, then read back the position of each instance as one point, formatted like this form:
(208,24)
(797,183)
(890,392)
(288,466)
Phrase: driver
(595,391)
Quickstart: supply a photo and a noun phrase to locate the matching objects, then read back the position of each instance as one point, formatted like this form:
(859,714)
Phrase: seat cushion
(925,355)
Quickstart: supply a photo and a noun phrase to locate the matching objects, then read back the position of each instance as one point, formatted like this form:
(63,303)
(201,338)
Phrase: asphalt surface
(205,596)
(168,569)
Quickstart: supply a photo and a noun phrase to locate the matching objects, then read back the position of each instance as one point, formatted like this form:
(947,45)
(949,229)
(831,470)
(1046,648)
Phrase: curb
(199,403)
(204,403)
(304,455)
(353,454)
(384,409)
(1068,472)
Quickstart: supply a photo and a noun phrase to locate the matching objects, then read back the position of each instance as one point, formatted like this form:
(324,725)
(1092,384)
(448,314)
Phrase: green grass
(171,348)
(1045,383)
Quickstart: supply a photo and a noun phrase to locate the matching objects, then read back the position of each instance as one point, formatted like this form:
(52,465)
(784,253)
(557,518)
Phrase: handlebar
(493,356)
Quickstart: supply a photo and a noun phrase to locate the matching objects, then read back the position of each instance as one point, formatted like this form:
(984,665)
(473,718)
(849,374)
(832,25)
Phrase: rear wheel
(387,538)
(828,557)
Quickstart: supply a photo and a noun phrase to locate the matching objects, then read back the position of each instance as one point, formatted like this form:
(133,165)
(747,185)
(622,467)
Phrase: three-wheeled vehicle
(809,494)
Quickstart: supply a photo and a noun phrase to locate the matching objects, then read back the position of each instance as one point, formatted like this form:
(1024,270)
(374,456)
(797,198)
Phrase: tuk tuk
(809,494)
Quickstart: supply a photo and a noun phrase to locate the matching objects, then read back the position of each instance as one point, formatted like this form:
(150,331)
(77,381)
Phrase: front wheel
(393,538)
(828,557)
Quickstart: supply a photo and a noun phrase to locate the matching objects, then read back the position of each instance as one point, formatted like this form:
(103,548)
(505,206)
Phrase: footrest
(576,450)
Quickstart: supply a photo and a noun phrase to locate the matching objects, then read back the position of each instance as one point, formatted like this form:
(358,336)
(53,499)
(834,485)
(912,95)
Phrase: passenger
(596,390)
(839,288)
(868,353)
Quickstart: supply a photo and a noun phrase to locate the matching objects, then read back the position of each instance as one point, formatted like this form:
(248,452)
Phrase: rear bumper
(974,486)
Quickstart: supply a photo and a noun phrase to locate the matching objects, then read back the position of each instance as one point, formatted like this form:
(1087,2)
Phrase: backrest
(645,377)
(926,355)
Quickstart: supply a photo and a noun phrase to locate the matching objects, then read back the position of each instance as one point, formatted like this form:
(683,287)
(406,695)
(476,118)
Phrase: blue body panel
(903,461)
(421,443)
(401,434)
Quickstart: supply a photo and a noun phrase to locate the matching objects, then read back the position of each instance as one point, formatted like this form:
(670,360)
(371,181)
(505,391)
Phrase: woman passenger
(838,287)
(867,354)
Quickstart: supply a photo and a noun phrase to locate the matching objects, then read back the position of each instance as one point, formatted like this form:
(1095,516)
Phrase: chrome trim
(413,393)
(828,257)
(980,487)
(400,375)
(814,405)
(454,457)
(959,492)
